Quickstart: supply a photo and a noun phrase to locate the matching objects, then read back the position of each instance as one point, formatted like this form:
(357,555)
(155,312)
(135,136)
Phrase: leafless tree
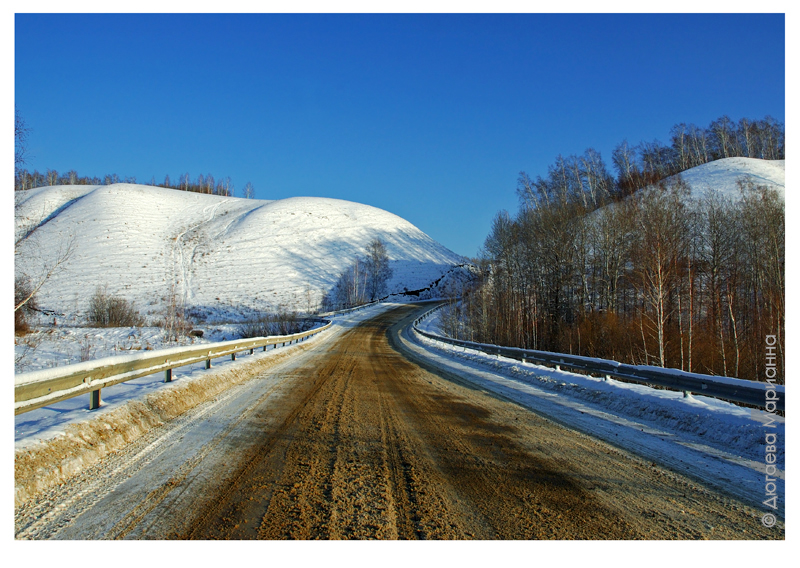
(655,276)
(174,322)
(661,235)
(40,262)
(21,132)
(47,267)
(249,192)
(376,264)
(723,137)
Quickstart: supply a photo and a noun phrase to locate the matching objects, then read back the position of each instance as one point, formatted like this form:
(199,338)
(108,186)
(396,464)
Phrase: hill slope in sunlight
(223,255)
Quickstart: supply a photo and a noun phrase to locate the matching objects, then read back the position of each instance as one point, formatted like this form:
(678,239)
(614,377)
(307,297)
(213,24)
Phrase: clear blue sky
(431,117)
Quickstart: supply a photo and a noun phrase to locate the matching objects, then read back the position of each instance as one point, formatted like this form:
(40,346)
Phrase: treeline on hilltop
(24,179)
(656,278)
(586,178)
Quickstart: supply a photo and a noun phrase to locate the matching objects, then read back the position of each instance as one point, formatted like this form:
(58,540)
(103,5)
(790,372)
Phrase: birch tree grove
(638,269)
(364,280)
(659,279)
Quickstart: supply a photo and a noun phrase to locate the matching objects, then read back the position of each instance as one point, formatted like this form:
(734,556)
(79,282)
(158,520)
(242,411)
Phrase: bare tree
(656,276)
(698,140)
(624,160)
(349,289)
(680,145)
(364,280)
(21,132)
(228,186)
(662,232)
(376,264)
(723,137)
(614,233)
(40,264)
(249,192)
(717,253)
(598,181)
(174,321)
(46,267)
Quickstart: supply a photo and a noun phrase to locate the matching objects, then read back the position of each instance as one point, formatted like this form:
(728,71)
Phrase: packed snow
(720,443)
(42,424)
(700,419)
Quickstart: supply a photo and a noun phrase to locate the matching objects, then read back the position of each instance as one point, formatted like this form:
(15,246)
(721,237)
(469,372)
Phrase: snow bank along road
(349,439)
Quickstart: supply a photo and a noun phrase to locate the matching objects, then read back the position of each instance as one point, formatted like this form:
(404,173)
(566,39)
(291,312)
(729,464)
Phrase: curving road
(351,439)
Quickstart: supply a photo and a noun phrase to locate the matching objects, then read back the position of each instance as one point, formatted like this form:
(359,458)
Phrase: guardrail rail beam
(726,388)
(46,387)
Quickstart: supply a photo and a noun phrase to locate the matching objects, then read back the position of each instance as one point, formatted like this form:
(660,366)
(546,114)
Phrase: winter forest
(633,267)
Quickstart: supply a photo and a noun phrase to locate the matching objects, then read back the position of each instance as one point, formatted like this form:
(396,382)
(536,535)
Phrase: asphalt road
(350,439)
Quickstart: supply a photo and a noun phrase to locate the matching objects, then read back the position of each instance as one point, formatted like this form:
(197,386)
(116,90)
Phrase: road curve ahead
(351,440)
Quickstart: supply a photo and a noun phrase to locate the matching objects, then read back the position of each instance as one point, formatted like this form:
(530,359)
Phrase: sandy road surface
(351,440)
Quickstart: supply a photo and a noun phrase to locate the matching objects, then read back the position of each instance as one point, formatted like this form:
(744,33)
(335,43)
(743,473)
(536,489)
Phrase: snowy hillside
(225,255)
(722,175)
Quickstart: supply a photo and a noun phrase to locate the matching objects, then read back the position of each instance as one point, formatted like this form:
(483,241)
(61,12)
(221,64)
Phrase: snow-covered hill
(723,175)
(225,255)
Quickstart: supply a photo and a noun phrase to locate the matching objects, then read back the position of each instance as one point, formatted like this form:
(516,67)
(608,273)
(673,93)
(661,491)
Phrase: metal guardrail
(348,310)
(736,390)
(41,388)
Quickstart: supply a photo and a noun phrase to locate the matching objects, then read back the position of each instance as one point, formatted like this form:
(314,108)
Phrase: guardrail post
(251,351)
(168,375)
(686,394)
(265,347)
(606,378)
(94,399)
(233,356)
(208,363)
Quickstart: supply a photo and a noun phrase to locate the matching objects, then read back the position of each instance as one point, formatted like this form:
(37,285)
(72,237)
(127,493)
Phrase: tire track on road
(363,443)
